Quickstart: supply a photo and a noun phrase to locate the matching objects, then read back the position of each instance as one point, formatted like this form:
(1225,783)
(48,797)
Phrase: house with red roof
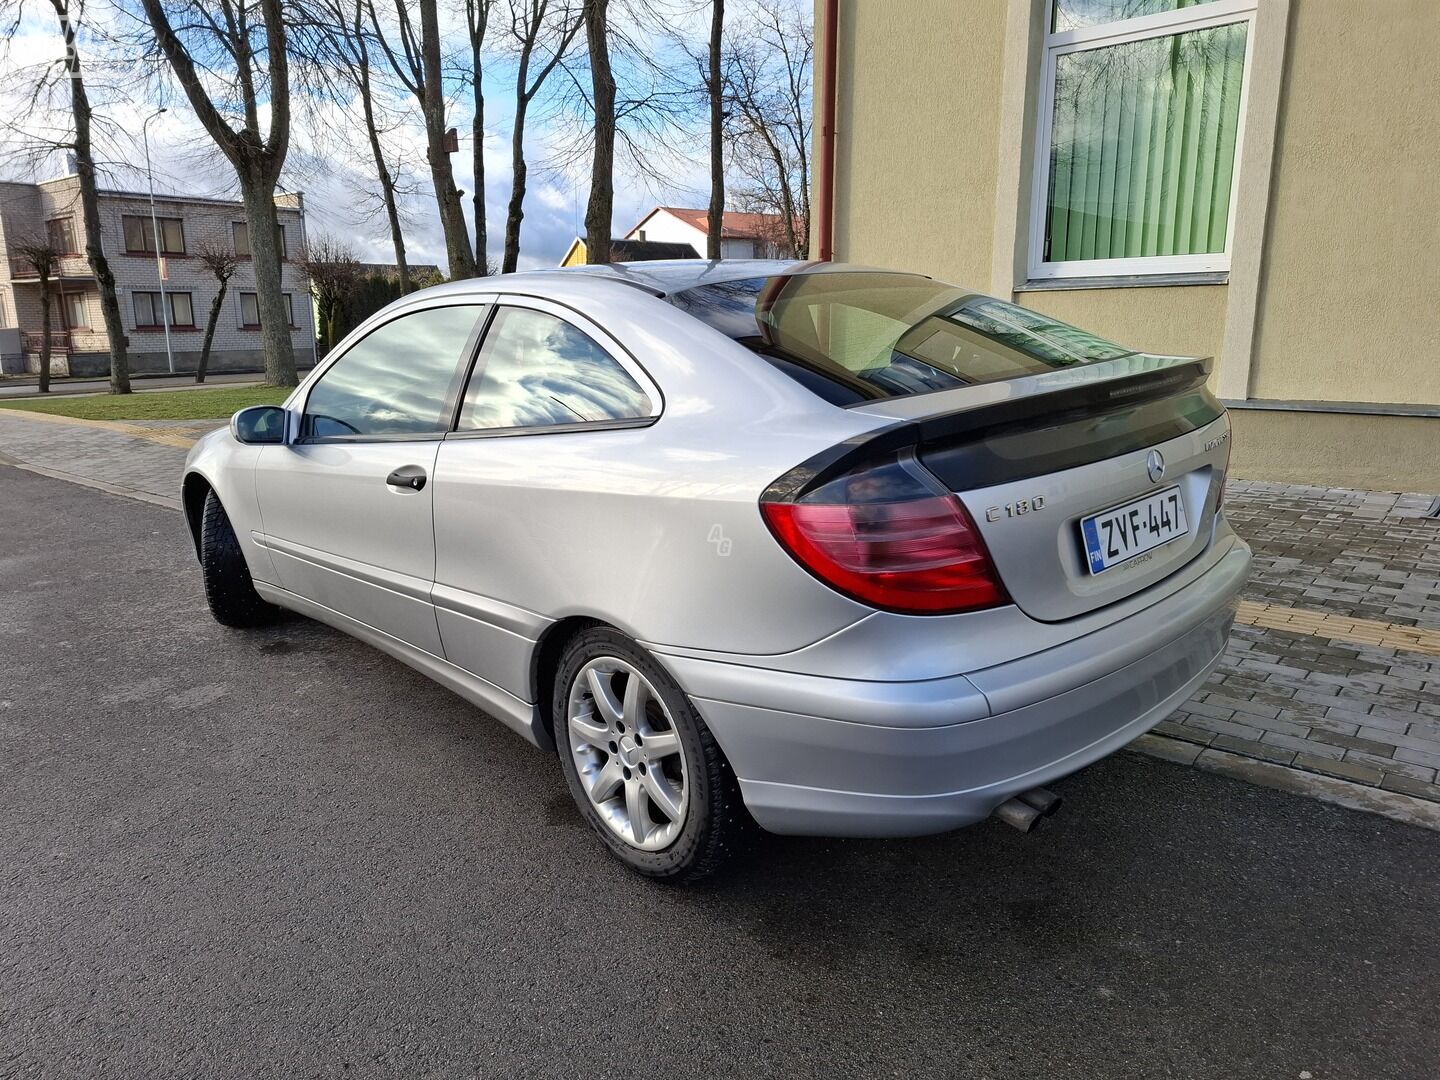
(667,230)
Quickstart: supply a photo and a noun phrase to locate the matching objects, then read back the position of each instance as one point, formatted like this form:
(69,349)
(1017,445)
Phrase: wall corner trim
(1024,31)
(1257,158)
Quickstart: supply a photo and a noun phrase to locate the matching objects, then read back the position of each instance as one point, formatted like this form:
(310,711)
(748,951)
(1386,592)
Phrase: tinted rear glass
(866,336)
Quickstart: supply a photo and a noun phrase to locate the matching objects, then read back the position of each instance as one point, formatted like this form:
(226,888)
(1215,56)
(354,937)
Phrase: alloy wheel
(628,754)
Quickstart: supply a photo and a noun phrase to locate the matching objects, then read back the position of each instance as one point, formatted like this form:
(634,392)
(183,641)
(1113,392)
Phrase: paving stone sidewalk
(1353,690)
(143,457)
(1333,668)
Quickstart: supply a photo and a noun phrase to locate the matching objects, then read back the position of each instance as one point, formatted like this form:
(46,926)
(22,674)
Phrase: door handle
(409,477)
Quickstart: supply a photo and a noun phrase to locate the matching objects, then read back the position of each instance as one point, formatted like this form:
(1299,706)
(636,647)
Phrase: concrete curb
(90,482)
(1353,796)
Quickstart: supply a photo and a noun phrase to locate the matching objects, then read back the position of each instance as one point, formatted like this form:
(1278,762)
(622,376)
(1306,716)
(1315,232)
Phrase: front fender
(218,463)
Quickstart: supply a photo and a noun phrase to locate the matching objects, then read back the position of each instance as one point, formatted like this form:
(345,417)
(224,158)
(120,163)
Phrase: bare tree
(333,270)
(536,30)
(225,49)
(654,98)
(417,64)
(40,253)
(477,25)
(601,206)
(343,44)
(32,87)
(221,261)
(768,94)
(715,89)
(90,205)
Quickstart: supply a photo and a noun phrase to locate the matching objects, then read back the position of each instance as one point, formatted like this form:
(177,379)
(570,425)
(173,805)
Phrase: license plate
(1123,532)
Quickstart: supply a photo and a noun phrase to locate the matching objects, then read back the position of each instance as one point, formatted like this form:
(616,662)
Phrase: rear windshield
(854,337)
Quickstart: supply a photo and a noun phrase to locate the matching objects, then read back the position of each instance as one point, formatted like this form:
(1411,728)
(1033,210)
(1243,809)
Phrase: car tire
(228,588)
(713,824)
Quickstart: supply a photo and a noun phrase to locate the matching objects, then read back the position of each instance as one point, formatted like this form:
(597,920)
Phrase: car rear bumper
(842,757)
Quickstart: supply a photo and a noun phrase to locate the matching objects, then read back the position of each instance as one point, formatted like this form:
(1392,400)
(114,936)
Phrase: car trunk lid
(1033,458)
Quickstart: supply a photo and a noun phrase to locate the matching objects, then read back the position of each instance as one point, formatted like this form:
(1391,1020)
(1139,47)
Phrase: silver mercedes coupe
(822,548)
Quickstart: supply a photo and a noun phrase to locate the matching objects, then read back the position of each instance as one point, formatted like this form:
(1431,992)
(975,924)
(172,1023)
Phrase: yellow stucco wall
(1376,453)
(1348,305)
(1184,321)
(1350,295)
(918,129)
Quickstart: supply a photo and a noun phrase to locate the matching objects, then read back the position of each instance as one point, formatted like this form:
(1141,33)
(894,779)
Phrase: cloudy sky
(329,157)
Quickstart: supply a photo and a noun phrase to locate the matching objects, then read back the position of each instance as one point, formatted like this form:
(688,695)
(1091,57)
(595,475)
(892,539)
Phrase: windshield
(853,337)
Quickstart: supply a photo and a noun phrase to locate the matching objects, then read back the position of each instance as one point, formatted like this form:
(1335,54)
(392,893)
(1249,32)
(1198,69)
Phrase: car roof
(659,279)
(664,277)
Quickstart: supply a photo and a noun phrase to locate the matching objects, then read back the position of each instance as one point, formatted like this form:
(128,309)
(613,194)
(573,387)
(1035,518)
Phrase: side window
(396,380)
(536,370)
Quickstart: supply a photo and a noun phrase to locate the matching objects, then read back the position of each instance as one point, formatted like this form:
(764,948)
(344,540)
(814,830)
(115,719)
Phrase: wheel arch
(545,662)
(193,490)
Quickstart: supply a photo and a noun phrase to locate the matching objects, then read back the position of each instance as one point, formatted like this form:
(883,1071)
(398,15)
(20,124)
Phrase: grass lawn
(158,405)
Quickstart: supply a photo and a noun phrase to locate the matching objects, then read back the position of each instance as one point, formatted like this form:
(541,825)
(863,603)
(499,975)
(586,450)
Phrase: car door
(549,426)
(346,507)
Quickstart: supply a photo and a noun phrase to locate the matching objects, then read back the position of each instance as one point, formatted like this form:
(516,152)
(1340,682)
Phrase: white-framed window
(77,314)
(150,310)
(61,233)
(4,309)
(240,234)
(140,235)
(250,310)
(1142,115)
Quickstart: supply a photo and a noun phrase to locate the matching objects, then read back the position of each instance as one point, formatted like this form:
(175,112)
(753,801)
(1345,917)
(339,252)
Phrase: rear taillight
(890,536)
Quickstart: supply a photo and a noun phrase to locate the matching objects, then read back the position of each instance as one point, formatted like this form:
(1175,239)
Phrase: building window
(240,231)
(148,310)
(1139,133)
(140,235)
(76,315)
(4,310)
(250,310)
(61,232)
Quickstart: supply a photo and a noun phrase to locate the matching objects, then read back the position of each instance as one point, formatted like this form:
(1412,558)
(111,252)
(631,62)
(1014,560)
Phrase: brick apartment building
(79,344)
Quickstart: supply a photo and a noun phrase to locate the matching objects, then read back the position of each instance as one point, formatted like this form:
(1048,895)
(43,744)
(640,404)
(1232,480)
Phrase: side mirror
(259,424)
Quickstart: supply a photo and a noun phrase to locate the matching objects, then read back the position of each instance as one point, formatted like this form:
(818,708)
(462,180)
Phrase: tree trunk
(452,215)
(257,162)
(387,182)
(600,209)
(516,211)
(44,386)
(477,134)
(477,23)
(785,192)
(716,223)
(265,256)
(328,304)
(90,209)
(210,324)
(359,69)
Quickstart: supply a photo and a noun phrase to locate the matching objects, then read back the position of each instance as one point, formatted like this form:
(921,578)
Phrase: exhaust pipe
(1042,799)
(1025,810)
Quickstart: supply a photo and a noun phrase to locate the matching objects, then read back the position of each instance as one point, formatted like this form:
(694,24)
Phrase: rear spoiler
(993,433)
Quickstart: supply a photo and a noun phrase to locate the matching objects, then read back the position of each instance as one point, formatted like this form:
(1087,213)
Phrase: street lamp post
(155,228)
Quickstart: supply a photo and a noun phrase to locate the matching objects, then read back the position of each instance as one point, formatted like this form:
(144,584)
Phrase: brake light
(890,536)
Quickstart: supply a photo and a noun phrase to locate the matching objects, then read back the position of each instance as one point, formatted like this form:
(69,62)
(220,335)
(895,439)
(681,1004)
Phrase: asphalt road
(284,854)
